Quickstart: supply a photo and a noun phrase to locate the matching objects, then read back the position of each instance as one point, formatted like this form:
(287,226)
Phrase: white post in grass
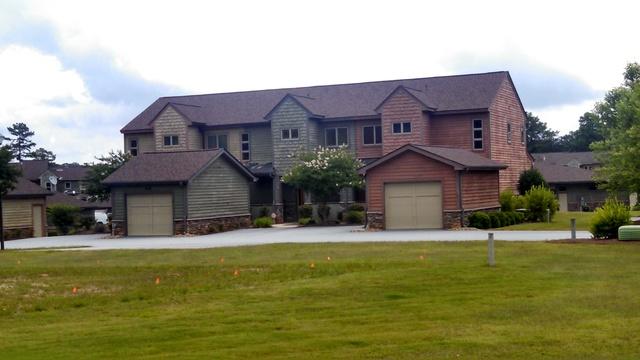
(491,254)
(573,229)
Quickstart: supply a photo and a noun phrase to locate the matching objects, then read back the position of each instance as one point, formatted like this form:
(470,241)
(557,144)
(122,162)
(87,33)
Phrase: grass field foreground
(370,300)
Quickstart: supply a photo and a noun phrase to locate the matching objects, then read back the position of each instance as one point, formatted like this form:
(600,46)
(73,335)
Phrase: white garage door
(413,205)
(149,215)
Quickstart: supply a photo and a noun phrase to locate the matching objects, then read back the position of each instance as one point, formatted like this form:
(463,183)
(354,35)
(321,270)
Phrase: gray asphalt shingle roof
(564,167)
(444,93)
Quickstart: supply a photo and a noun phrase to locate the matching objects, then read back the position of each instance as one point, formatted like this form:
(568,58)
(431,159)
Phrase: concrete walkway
(280,235)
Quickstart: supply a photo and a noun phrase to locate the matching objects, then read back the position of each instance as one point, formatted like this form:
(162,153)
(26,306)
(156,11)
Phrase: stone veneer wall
(198,227)
(451,219)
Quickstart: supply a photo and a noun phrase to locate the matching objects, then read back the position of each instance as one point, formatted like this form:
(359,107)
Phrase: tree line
(22,147)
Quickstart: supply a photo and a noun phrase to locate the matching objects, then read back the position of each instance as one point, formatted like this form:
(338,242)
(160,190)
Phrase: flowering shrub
(324,172)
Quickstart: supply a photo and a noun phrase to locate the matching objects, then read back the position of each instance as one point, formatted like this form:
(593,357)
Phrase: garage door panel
(413,205)
(150,214)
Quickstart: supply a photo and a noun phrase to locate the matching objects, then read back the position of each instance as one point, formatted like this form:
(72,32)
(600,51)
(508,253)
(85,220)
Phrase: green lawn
(543,300)
(561,221)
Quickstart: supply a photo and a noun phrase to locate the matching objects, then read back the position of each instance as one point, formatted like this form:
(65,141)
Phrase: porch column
(278,206)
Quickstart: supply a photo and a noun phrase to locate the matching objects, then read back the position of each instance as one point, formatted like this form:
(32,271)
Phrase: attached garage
(170,193)
(413,205)
(426,187)
(23,211)
(150,214)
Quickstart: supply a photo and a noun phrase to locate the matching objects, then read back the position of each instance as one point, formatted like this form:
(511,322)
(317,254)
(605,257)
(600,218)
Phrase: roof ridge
(341,84)
(176,103)
(180,151)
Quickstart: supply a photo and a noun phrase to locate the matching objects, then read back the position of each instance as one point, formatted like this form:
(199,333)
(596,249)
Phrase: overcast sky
(77,71)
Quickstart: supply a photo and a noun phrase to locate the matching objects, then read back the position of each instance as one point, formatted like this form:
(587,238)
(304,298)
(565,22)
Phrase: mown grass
(561,221)
(373,300)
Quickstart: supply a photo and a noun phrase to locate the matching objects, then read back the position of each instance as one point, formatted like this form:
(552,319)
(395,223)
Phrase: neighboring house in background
(53,177)
(24,211)
(570,176)
(454,123)
(167,193)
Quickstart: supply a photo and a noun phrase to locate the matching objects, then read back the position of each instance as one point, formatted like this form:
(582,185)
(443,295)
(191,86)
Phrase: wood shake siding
(289,115)
(366,151)
(146,142)
(506,109)
(18,213)
(233,139)
(169,122)
(220,190)
(410,167)
(261,144)
(456,131)
(119,202)
(402,107)
(480,189)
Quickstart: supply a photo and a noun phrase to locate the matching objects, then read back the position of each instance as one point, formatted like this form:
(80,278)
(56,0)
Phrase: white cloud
(564,118)
(55,103)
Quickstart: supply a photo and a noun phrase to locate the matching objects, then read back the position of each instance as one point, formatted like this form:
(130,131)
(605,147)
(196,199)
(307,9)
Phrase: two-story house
(437,148)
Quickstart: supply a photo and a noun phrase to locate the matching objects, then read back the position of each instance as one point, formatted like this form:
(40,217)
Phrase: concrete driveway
(280,235)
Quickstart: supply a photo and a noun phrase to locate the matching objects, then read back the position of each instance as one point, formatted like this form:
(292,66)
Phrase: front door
(38,228)
(563,202)
(290,201)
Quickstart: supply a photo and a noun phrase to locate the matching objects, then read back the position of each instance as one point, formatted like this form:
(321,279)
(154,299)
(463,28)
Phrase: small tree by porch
(323,173)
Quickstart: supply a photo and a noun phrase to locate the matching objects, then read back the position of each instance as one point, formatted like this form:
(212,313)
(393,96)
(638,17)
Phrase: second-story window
(245,146)
(218,141)
(372,135)
(289,134)
(133,147)
(522,138)
(171,140)
(401,127)
(67,185)
(509,133)
(477,134)
(336,136)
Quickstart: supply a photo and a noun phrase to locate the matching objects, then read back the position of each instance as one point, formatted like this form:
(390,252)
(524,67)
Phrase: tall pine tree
(21,144)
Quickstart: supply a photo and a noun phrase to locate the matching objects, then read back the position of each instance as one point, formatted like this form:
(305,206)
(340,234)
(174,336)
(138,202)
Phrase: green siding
(261,144)
(118,198)
(220,190)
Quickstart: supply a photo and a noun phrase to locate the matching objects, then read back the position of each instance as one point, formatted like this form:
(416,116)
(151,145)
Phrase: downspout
(186,208)
(459,196)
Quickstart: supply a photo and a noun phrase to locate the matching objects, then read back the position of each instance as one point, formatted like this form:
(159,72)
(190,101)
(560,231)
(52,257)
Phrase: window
(336,137)
(133,147)
(401,127)
(289,134)
(509,133)
(48,185)
(522,138)
(217,141)
(67,185)
(477,134)
(83,187)
(245,147)
(372,135)
(171,140)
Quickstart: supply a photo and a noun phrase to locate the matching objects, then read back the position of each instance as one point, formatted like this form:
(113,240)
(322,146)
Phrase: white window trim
(67,185)
(402,132)
(509,133)
(248,151)
(523,136)
(170,140)
(336,129)
(473,138)
(374,135)
(290,138)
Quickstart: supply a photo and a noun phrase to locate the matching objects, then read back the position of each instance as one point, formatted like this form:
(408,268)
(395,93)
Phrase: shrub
(263,222)
(305,211)
(323,212)
(354,217)
(519,217)
(520,202)
(304,221)
(355,207)
(539,199)
(63,217)
(505,220)
(636,207)
(608,218)
(530,178)
(480,220)
(99,228)
(507,200)
(495,220)
(87,221)
(264,212)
